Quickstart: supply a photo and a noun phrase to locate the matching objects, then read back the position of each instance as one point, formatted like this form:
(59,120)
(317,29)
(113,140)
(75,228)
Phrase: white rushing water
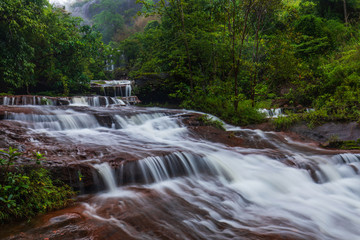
(329,209)
(209,190)
(272,113)
(94,101)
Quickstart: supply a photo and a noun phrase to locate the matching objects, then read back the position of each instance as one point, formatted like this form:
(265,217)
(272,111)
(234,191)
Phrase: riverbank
(333,135)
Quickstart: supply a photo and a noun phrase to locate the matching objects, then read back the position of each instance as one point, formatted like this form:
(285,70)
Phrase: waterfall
(93,101)
(128,91)
(346,158)
(56,120)
(79,101)
(166,180)
(24,100)
(108,176)
(136,120)
(117,101)
(161,168)
(114,88)
(272,113)
(6,101)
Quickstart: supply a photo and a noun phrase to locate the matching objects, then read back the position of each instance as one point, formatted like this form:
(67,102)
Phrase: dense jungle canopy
(219,56)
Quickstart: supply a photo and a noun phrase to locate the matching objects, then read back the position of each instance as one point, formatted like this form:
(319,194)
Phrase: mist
(65,3)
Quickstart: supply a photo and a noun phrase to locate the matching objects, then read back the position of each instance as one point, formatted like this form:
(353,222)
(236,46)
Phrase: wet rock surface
(128,220)
(210,133)
(71,153)
(69,157)
(318,135)
(162,174)
(33,100)
(323,133)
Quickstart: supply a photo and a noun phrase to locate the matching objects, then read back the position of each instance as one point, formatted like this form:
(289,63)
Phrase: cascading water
(55,120)
(6,101)
(272,113)
(94,101)
(107,174)
(115,88)
(161,181)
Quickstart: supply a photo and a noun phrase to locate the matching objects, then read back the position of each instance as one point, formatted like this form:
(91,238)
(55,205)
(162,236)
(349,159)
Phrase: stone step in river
(152,173)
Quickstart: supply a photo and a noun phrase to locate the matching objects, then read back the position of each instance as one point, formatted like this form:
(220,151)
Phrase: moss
(101,82)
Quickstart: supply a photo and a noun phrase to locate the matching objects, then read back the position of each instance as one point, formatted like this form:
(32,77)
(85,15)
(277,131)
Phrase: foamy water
(196,189)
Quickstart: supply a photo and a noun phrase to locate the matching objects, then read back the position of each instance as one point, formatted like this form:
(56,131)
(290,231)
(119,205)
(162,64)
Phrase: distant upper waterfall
(115,88)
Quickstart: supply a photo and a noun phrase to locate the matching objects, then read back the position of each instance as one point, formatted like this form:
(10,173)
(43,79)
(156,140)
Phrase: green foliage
(115,19)
(79,3)
(217,55)
(45,101)
(208,121)
(316,118)
(26,192)
(285,122)
(335,9)
(108,23)
(45,49)
(222,53)
(335,142)
(222,108)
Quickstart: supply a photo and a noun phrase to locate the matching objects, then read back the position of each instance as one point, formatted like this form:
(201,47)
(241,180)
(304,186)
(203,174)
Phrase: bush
(208,121)
(26,192)
(285,122)
(224,109)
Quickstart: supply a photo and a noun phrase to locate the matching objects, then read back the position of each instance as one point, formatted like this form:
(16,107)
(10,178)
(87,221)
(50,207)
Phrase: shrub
(224,109)
(26,192)
(208,121)
(285,122)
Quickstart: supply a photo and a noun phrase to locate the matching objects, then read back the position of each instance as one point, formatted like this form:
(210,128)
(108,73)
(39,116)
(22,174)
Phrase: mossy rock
(345,145)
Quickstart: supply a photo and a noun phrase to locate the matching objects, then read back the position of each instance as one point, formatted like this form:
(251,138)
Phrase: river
(154,177)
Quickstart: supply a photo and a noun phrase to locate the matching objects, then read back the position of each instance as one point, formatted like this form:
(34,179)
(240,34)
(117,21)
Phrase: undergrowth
(314,118)
(285,122)
(28,191)
(335,142)
(224,108)
(208,121)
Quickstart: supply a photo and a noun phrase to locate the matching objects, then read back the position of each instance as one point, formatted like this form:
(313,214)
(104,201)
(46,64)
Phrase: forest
(225,57)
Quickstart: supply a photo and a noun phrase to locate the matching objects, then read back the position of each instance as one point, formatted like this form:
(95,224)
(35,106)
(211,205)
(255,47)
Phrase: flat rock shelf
(152,173)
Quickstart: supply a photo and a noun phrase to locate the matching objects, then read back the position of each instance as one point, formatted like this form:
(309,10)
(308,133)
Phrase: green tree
(19,21)
(46,49)
(108,21)
(346,10)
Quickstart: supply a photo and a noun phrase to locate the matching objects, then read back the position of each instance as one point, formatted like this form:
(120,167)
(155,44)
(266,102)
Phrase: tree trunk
(256,55)
(237,65)
(233,28)
(186,44)
(345,13)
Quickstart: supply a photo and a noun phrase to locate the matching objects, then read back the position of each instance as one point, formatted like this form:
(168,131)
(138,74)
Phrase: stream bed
(148,175)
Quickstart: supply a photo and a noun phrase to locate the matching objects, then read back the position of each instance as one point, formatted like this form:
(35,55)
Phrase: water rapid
(159,180)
